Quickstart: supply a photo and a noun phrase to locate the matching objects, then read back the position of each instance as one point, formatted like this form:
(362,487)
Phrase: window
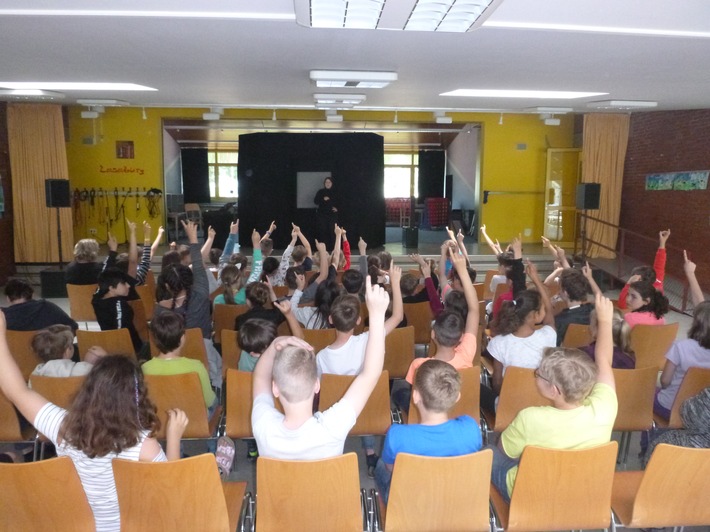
(401,175)
(223,167)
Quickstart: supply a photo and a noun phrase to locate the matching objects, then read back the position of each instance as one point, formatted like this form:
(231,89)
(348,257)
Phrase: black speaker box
(57,192)
(588,196)
(53,283)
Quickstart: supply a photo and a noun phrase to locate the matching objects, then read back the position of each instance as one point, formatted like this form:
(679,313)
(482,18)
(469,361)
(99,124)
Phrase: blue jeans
(383,477)
(368,442)
(502,463)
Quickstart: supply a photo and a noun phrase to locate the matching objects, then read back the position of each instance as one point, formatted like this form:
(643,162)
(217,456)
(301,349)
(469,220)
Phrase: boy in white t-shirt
(287,370)
(346,355)
(55,346)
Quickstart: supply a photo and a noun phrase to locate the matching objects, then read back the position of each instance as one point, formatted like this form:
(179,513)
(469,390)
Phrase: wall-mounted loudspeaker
(588,196)
(57,192)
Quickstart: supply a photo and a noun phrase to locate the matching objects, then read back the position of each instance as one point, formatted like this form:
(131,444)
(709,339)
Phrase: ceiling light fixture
(144,115)
(346,99)
(441,118)
(214,114)
(74,86)
(553,110)
(30,94)
(334,118)
(105,103)
(147,13)
(500,120)
(504,93)
(396,119)
(549,119)
(593,29)
(92,111)
(622,104)
(411,15)
(361,79)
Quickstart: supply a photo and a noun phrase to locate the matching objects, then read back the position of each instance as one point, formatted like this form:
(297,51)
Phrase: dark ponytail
(658,303)
(512,314)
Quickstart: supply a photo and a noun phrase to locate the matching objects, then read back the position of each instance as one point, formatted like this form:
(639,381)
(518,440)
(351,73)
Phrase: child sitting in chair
(55,346)
(436,390)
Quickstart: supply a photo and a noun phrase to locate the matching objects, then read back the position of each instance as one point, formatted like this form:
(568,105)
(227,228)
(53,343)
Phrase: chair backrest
(563,489)
(80,307)
(375,418)
(45,495)
(399,352)
(140,320)
(487,294)
(155,495)
(224,317)
(517,392)
(20,344)
(239,403)
(635,389)
(194,346)
(181,391)
(58,390)
(9,422)
(439,494)
(319,338)
(695,381)
(147,294)
(480,289)
(577,335)
(468,404)
(280,291)
(419,315)
(115,342)
(670,492)
(230,350)
(652,342)
(308,494)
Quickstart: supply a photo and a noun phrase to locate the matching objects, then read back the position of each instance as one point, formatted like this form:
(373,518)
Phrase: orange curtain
(37,152)
(605,140)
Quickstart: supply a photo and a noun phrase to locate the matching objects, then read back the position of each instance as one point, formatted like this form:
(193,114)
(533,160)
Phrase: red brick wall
(660,142)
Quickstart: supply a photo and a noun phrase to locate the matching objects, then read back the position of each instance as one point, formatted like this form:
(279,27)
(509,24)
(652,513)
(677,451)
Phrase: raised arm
(346,249)
(549,318)
(12,383)
(132,249)
(207,246)
(323,256)
(361,388)
(177,423)
(562,257)
(157,241)
(198,267)
(271,229)
(442,258)
(397,305)
(144,264)
(495,246)
(462,246)
(604,349)
(257,262)
(587,271)
(469,291)
(659,261)
(304,241)
(262,375)
(335,259)
(285,308)
(696,293)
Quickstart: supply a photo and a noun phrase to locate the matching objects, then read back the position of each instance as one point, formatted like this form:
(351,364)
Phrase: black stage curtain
(195,175)
(268,167)
(432,168)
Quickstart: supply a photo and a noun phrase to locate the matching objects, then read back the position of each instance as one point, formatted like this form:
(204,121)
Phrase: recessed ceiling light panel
(29,95)
(494,93)
(360,79)
(622,104)
(73,86)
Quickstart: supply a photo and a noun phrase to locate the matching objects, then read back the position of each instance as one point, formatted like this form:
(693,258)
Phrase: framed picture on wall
(124,149)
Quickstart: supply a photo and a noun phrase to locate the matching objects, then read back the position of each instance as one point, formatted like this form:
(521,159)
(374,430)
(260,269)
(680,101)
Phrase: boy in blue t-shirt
(436,390)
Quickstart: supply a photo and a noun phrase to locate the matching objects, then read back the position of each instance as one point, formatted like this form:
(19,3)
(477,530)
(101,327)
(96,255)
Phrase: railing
(675,283)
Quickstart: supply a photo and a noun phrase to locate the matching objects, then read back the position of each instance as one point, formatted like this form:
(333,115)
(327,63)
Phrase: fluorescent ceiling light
(494,93)
(553,110)
(105,103)
(361,79)
(89,114)
(334,118)
(593,29)
(147,13)
(74,86)
(411,15)
(622,104)
(30,94)
(552,121)
(444,120)
(348,99)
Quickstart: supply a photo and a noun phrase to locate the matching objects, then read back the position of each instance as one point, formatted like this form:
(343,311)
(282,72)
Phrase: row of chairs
(555,489)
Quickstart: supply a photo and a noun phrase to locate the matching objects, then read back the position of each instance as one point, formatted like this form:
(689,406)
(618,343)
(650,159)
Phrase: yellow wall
(503,165)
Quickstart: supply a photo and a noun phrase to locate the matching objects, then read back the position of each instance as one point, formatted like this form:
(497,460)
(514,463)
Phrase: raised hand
(234,227)
(112,242)
(662,237)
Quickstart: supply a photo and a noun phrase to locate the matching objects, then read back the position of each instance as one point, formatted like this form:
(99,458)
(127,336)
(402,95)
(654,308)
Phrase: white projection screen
(308,184)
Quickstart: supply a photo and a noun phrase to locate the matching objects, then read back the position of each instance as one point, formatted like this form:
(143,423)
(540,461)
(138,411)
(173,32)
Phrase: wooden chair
(80,307)
(470,401)
(364,316)
(115,342)
(668,493)
(419,315)
(193,213)
(194,346)
(281,291)
(45,495)
(375,418)
(652,342)
(224,317)
(308,494)
(635,390)
(140,320)
(319,338)
(517,392)
(230,350)
(147,294)
(10,430)
(399,352)
(577,335)
(487,294)
(695,380)
(239,403)
(439,494)
(156,495)
(20,344)
(480,289)
(182,391)
(58,390)
(559,489)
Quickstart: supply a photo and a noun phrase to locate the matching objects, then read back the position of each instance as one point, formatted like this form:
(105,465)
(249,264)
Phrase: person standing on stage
(327,201)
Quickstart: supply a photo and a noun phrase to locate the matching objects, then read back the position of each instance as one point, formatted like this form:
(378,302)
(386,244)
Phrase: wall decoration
(697,180)
(124,149)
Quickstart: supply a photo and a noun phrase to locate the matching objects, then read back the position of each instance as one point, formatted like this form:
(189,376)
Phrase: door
(563,174)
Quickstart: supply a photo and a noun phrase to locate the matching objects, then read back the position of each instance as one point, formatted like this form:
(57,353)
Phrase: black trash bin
(410,237)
